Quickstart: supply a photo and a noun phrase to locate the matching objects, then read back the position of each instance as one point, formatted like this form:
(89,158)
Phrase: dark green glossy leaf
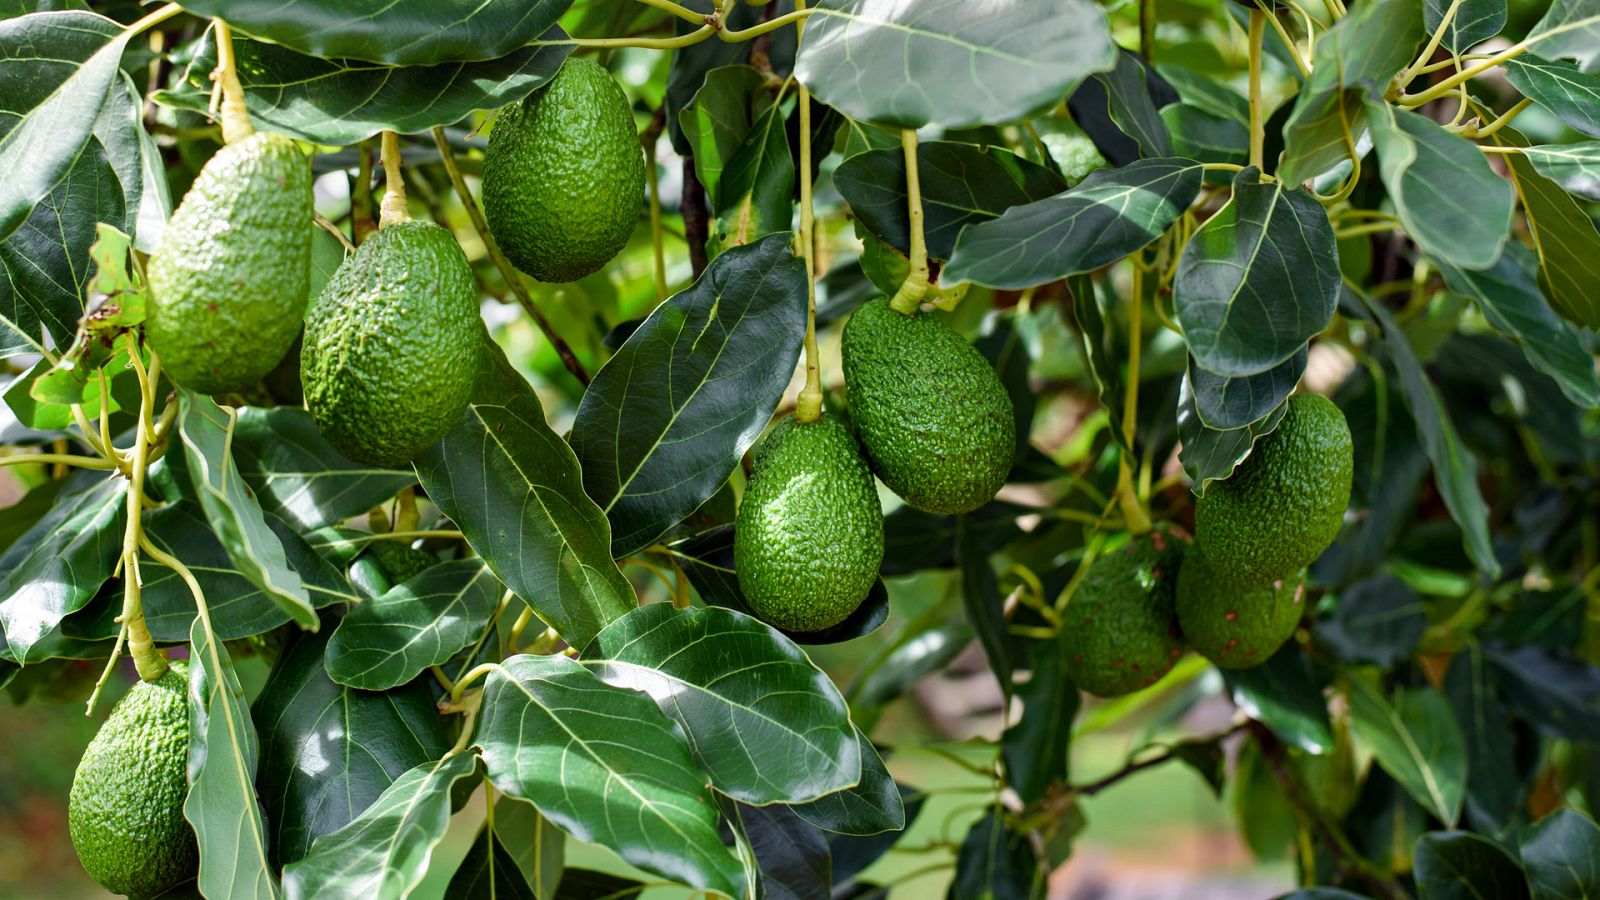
(588,884)
(756,193)
(1108,215)
(298,476)
(953,69)
(1417,741)
(1258,280)
(1559,694)
(1205,136)
(536,848)
(1281,695)
(59,564)
(389,640)
(962,184)
(914,540)
(327,751)
(1376,620)
(235,859)
(513,488)
(1102,346)
(1450,200)
(1462,866)
(1474,22)
(398,33)
(1208,454)
(918,656)
(1035,748)
(1575,167)
(1227,402)
(1564,236)
(1509,298)
(718,118)
(791,853)
(384,852)
(761,719)
(668,418)
(980,594)
(1570,28)
(871,807)
(1558,86)
(1561,854)
(1493,795)
(996,863)
(1006,349)
(1117,109)
(488,872)
(604,764)
(236,518)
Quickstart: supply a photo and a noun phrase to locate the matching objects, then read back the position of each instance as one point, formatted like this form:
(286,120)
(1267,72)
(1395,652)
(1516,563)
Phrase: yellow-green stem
(808,406)
(682,12)
(1500,121)
(149,660)
(393,208)
(66,459)
(1410,72)
(915,287)
(1133,511)
(466,680)
(235,116)
(1258,21)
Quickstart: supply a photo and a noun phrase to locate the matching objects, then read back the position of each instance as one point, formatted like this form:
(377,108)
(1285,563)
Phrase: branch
(696,217)
(1170,753)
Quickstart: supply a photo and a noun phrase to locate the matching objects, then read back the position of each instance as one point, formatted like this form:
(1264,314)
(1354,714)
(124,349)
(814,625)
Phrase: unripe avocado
(1284,504)
(1120,632)
(399,562)
(1235,627)
(392,345)
(934,418)
(808,538)
(125,809)
(563,177)
(228,284)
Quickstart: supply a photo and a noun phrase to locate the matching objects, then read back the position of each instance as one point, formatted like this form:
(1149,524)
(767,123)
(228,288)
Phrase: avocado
(808,537)
(229,282)
(1284,504)
(400,562)
(392,345)
(1235,627)
(563,177)
(1119,632)
(125,808)
(934,418)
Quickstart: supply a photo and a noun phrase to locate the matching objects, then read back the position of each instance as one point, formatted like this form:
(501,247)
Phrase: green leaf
(1035,748)
(871,807)
(1561,854)
(980,596)
(1475,21)
(962,184)
(1256,798)
(1509,298)
(236,518)
(952,68)
(513,488)
(1564,236)
(383,853)
(1458,865)
(1119,103)
(1205,136)
(1281,695)
(1493,795)
(1558,86)
(1258,280)
(717,119)
(761,719)
(223,754)
(1108,215)
(398,32)
(756,191)
(1559,694)
(669,416)
(1208,454)
(1378,619)
(1356,58)
(1450,200)
(996,863)
(298,476)
(480,876)
(690,65)
(329,752)
(790,853)
(1575,167)
(1570,28)
(1417,741)
(536,848)
(389,640)
(343,101)
(1102,348)
(1455,469)
(604,764)
(58,565)
(1225,402)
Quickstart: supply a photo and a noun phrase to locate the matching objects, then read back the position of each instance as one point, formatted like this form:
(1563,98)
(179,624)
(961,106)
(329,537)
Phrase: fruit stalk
(915,287)
(808,406)
(235,115)
(393,208)
(147,658)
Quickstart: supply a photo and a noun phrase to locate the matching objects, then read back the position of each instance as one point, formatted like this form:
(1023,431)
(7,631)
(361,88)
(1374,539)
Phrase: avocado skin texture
(808,538)
(228,284)
(563,177)
(125,809)
(1285,503)
(1120,633)
(392,345)
(1235,627)
(934,418)
(399,562)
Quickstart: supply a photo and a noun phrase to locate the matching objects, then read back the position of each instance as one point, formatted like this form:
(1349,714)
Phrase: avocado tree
(388,381)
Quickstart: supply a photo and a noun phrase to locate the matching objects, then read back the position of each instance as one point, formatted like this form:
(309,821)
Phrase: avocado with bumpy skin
(125,808)
(228,284)
(808,538)
(1119,632)
(563,176)
(400,562)
(1285,503)
(1235,627)
(392,345)
(934,418)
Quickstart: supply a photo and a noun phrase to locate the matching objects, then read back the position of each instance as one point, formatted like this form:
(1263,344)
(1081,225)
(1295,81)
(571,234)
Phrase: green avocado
(563,177)
(808,538)
(392,345)
(1119,633)
(399,562)
(228,284)
(1285,503)
(934,418)
(125,809)
(1235,627)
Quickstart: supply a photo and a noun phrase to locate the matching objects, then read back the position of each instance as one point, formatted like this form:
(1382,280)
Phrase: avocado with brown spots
(1235,627)
(1120,632)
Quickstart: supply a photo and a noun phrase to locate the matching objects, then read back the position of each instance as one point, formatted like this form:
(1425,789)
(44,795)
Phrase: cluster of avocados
(1235,593)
